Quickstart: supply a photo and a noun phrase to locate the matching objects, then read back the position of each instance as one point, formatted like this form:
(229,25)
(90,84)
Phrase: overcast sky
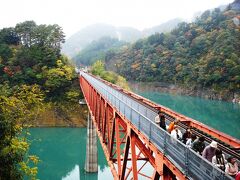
(73,15)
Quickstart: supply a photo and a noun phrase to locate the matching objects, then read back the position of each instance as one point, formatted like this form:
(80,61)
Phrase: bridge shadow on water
(62,152)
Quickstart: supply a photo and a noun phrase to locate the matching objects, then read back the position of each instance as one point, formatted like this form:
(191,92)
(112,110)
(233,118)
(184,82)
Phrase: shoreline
(56,126)
(209,94)
(53,116)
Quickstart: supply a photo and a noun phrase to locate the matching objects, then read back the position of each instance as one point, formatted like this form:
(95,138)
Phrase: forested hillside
(97,50)
(85,36)
(34,76)
(162,28)
(202,54)
(30,54)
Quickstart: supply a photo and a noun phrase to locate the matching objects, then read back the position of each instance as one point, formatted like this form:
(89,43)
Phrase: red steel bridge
(135,147)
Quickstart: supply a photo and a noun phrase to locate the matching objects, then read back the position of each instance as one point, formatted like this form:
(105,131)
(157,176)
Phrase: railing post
(164,142)
(131,115)
(138,123)
(186,160)
(150,129)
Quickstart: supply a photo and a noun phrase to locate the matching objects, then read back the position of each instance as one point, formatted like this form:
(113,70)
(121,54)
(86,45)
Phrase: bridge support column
(91,162)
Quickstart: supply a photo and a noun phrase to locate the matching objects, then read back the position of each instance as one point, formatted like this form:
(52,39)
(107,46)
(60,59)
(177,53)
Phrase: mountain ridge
(202,54)
(85,36)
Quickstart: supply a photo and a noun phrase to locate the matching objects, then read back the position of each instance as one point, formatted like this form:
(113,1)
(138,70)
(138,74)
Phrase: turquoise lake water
(223,116)
(62,153)
(62,150)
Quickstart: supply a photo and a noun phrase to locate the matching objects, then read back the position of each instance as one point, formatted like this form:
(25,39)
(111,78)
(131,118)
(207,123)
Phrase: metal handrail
(188,162)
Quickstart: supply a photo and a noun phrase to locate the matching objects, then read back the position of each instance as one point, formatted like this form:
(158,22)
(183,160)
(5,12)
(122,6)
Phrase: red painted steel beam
(91,105)
(235,143)
(118,146)
(117,127)
(125,158)
(134,157)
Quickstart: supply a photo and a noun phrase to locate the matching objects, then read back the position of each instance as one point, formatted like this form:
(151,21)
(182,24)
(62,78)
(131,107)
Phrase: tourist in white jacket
(219,159)
(176,133)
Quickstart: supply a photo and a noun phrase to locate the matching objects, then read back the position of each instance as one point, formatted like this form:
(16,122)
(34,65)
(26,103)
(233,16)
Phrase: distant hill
(201,54)
(96,50)
(84,37)
(164,27)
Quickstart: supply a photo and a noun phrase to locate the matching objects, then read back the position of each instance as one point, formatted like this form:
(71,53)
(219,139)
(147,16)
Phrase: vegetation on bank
(202,54)
(17,105)
(33,74)
(98,69)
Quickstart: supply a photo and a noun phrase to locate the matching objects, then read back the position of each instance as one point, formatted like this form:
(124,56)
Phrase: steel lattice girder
(119,135)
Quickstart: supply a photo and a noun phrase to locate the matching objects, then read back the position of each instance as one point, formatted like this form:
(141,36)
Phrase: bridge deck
(126,128)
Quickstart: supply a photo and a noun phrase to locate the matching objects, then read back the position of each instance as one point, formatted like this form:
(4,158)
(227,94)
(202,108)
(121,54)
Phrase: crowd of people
(210,152)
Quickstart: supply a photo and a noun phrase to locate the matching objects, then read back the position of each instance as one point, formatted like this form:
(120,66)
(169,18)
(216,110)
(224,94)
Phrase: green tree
(5,53)
(25,31)
(98,69)
(58,79)
(9,36)
(15,109)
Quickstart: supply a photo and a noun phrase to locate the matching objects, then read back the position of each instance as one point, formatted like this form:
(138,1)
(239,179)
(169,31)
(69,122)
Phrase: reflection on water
(223,116)
(74,174)
(62,152)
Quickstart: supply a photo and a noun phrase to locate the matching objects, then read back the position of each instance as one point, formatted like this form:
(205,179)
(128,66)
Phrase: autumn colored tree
(32,73)
(201,54)
(16,107)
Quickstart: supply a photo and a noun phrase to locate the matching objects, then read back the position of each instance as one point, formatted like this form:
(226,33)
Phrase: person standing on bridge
(160,120)
(219,159)
(186,135)
(209,151)
(231,167)
(176,133)
(198,145)
(172,124)
(191,140)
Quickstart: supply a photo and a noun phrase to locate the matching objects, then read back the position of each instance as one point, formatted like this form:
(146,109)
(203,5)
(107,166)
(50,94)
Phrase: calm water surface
(62,152)
(223,116)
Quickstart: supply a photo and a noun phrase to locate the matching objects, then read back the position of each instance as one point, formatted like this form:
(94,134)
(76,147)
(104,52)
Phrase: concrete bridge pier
(91,162)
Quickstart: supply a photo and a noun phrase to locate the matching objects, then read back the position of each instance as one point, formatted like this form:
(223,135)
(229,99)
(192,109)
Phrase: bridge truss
(130,146)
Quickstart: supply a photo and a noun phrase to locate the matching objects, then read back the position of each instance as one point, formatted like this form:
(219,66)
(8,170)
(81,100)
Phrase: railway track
(227,149)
